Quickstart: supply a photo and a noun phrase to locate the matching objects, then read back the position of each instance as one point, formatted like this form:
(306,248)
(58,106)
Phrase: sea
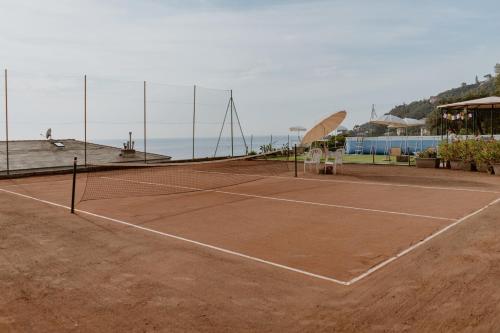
(182,148)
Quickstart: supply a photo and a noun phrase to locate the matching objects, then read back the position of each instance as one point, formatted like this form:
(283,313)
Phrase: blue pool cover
(382,144)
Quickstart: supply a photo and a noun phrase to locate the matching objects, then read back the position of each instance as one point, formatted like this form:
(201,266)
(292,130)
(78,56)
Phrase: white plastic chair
(313,158)
(335,158)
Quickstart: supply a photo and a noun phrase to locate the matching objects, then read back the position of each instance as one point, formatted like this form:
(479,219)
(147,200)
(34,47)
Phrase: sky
(288,62)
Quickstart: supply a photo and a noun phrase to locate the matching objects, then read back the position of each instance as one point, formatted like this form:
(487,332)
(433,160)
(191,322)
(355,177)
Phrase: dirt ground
(62,272)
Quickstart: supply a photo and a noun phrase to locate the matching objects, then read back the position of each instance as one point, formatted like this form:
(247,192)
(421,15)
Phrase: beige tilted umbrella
(323,128)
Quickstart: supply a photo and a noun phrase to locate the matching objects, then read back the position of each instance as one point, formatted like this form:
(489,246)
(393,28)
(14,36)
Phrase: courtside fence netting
(89,114)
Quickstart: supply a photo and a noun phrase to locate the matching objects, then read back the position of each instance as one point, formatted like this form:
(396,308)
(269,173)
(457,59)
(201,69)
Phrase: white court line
(422,242)
(344,283)
(220,249)
(50,181)
(442,188)
(286,200)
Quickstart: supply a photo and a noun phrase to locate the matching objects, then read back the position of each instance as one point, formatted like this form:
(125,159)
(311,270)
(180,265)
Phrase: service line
(302,202)
(439,188)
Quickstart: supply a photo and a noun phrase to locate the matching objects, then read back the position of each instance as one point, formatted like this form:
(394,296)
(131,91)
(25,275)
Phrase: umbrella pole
(407,150)
(389,147)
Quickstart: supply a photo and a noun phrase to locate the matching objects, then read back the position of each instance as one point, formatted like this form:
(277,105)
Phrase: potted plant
(452,154)
(428,159)
(495,163)
(482,156)
(468,153)
(444,153)
(488,156)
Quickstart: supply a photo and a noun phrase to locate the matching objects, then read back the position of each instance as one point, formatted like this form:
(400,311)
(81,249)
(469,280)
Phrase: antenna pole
(145,132)
(85,116)
(6,122)
(194,114)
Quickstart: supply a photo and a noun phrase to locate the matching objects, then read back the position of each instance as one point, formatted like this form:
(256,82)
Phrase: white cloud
(288,63)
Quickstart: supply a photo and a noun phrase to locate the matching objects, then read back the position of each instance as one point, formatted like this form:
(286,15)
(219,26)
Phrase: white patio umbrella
(298,129)
(391,121)
(409,122)
(388,120)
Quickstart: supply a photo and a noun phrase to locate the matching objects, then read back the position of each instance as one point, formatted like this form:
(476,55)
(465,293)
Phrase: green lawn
(360,159)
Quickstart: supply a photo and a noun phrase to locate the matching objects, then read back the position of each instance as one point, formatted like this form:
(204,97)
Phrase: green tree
(497,84)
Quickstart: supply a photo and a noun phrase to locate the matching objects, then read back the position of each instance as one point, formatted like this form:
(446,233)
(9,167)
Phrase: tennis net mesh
(136,180)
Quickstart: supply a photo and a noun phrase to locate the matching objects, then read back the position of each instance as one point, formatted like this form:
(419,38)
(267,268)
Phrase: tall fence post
(6,122)
(145,127)
(232,135)
(85,117)
(194,115)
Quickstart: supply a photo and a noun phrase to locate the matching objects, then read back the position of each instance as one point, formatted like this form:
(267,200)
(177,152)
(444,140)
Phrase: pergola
(474,105)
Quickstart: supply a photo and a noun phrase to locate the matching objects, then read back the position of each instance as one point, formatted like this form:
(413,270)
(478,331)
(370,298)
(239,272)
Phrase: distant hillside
(426,108)
(470,91)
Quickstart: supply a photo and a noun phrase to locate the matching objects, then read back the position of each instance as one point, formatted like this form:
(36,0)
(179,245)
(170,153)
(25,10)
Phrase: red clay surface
(63,272)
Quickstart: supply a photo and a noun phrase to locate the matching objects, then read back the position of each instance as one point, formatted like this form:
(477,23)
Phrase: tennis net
(136,180)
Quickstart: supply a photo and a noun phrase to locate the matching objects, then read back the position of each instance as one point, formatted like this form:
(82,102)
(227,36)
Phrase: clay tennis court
(228,256)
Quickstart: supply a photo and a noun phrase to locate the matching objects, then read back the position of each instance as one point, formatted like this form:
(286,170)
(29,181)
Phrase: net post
(295,159)
(6,123)
(73,188)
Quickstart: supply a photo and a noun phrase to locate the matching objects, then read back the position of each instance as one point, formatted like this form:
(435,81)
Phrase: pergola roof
(492,102)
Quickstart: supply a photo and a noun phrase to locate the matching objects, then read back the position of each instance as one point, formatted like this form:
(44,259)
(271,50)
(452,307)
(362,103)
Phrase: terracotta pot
(496,168)
(456,165)
(427,162)
(482,167)
(469,166)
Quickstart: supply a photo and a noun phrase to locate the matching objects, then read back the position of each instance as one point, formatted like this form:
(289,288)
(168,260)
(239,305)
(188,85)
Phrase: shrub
(450,151)
(479,151)
(488,152)
(468,150)
(428,153)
